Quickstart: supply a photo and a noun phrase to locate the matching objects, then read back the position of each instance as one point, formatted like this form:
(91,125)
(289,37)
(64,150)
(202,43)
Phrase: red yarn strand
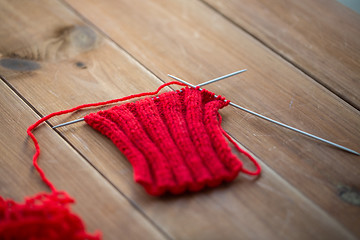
(252,159)
(36,124)
(216,167)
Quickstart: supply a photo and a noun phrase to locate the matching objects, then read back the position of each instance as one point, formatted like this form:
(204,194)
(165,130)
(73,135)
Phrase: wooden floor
(303,61)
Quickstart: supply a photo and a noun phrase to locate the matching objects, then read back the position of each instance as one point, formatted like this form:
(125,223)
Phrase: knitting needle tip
(68,123)
(221,78)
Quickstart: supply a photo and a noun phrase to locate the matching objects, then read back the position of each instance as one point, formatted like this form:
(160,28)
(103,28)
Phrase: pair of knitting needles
(244,109)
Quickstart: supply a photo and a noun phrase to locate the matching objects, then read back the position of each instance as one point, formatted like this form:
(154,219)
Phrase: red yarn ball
(44,216)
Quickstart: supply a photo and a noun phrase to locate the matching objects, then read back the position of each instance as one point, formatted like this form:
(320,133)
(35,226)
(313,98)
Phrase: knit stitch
(174,141)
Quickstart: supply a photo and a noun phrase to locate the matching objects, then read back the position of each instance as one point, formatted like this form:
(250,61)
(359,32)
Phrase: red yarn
(174,141)
(35,125)
(44,216)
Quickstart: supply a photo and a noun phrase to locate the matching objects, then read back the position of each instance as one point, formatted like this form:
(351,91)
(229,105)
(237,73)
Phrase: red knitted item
(174,141)
(44,216)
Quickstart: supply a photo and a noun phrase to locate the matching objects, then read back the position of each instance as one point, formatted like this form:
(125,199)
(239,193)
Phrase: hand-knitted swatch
(174,141)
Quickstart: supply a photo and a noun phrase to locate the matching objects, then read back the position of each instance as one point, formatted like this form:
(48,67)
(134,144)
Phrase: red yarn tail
(252,159)
(35,125)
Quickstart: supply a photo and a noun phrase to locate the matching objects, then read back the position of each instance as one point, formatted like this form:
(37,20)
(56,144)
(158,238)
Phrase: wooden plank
(103,72)
(192,41)
(319,37)
(100,205)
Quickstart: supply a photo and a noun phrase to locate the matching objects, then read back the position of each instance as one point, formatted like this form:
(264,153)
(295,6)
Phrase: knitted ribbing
(174,141)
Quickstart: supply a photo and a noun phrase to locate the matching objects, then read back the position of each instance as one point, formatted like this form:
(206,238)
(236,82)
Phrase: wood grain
(319,37)
(97,202)
(271,207)
(190,40)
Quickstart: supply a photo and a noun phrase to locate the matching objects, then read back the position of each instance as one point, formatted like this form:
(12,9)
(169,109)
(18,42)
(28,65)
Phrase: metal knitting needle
(221,78)
(201,84)
(68,123)
(276,122)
